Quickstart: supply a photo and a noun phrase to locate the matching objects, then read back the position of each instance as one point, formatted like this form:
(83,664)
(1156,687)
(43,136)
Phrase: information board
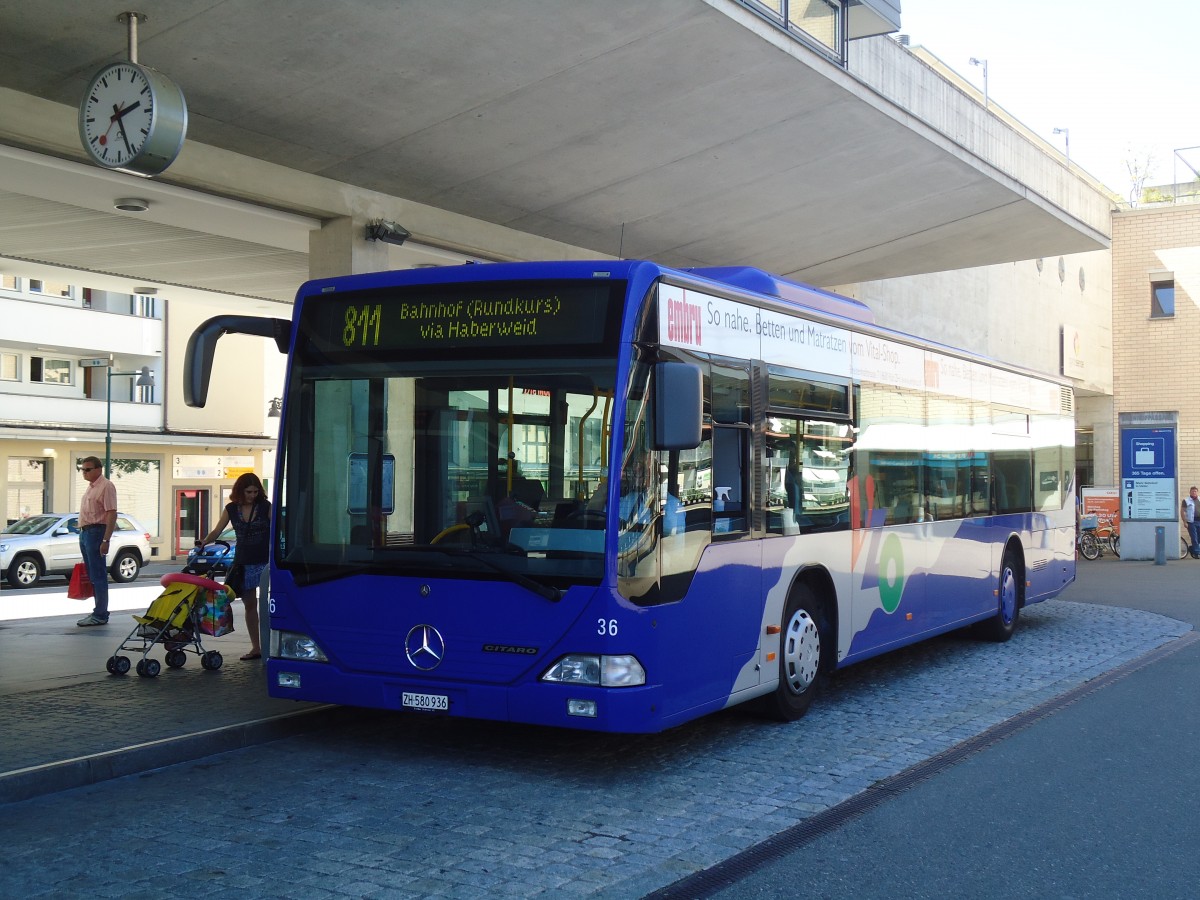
(1148,473)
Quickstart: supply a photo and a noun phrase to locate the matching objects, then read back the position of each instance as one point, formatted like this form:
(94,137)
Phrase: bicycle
(1110,537)
(1185,548)
(1087,541)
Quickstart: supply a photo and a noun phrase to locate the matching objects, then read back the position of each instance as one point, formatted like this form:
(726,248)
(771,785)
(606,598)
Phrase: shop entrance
(191,519)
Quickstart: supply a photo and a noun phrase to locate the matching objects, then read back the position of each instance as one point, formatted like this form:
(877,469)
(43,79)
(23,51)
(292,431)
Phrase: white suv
(48,544)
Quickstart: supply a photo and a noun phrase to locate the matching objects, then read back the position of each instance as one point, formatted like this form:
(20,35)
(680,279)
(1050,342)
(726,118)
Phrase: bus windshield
(473,469)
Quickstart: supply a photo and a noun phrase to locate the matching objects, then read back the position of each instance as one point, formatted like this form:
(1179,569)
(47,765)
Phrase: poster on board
(1105,505)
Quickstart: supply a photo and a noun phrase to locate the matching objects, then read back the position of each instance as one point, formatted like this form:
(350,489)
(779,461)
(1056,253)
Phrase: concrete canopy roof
(686,131)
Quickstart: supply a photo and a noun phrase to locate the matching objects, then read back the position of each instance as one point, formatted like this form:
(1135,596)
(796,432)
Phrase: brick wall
(1156,362)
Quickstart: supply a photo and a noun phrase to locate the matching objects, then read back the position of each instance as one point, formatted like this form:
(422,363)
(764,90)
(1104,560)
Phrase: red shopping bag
(80,587)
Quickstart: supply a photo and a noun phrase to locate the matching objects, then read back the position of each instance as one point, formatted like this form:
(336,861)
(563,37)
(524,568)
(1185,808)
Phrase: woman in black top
(249,512)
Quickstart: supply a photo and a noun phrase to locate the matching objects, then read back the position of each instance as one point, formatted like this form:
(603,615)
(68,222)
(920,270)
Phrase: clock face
(132,118)
(117,114)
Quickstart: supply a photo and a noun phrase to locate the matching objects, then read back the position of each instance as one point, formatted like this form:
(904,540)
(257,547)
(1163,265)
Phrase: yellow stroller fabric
(170,608)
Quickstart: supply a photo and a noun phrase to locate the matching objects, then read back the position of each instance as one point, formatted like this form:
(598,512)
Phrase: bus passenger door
(890,544)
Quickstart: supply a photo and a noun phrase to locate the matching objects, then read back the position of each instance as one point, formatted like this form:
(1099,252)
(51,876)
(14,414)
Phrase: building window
(49,371)
(1162,299)
(28,483)
(49,288)
(138,482)
(817,22)
(10,367)
(1085,459)
(144,306)
(10,283)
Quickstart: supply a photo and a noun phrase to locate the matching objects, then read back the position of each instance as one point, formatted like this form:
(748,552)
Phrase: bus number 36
(607,627)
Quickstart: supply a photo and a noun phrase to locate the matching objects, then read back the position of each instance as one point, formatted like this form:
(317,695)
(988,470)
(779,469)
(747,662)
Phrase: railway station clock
(132,119)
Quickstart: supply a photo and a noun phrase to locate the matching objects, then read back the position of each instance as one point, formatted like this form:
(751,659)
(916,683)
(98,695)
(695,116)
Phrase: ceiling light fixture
(131,204)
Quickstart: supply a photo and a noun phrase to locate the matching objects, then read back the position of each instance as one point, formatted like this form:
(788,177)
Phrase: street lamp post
(1066,133)
(145,378)
(983,63)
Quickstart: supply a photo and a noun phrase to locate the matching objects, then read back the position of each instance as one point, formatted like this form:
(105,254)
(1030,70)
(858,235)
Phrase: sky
(1123,78)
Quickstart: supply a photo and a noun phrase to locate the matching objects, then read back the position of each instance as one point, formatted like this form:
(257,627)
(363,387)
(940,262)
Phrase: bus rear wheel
(801,666)
(1003,624)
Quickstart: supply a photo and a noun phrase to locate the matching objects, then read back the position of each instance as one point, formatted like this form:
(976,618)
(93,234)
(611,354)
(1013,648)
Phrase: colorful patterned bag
(216,612)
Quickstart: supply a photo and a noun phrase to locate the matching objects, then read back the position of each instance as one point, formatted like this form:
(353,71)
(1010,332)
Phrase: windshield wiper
(552,594)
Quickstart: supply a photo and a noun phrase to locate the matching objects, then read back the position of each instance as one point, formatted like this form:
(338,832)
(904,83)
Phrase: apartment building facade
(85,368)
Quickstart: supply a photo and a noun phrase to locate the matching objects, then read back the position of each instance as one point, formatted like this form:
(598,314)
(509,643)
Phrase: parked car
(48,544)
(214,558)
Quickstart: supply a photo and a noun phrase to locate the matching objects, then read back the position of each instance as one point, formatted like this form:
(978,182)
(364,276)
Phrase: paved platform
(68,723)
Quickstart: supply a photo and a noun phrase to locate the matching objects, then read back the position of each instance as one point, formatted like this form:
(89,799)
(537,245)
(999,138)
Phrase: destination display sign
(445,317)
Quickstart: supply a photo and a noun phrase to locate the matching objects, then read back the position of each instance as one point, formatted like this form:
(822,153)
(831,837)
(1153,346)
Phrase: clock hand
(124,136)
(118,114)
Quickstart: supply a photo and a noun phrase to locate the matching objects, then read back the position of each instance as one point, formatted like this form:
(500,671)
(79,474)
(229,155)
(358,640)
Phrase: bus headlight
(605,671)
(292,645)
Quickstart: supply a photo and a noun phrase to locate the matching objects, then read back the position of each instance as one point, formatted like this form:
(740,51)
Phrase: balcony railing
(74,412)
(78,331)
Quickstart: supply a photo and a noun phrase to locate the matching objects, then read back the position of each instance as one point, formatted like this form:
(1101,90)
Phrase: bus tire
(802,651)
(1000,627)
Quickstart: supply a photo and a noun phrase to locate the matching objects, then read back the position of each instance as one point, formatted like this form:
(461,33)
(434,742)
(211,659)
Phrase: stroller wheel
(111,665)
(148,668)
(211,660)
(120,665)
(176,658)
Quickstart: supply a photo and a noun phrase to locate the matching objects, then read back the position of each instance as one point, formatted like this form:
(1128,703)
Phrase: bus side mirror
(202,346)
(678,406)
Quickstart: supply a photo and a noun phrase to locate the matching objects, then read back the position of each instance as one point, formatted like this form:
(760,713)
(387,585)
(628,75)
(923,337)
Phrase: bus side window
(729,413)
(898,493)
(1012,482)
(730,456)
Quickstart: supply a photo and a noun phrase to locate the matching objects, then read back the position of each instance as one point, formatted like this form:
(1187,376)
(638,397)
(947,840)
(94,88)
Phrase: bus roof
(761,282)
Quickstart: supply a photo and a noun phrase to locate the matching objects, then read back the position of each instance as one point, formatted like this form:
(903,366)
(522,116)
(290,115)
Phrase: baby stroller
(190,605)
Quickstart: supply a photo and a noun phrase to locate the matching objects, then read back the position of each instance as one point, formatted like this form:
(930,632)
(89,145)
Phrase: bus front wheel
(801,668)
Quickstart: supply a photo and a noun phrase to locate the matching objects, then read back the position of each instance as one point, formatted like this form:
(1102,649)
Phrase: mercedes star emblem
(424,647)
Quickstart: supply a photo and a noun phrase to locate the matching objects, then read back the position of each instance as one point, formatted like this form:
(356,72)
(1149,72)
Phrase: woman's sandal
(252,655)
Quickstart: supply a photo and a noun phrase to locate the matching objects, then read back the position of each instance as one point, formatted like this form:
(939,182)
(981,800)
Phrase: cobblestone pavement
(405,806)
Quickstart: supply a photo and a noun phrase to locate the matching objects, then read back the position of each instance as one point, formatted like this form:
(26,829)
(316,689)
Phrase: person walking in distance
(1189,511)
(97,519)
(249,512)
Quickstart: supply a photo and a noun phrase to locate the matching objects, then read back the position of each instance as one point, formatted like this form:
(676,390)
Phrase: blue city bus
(618,496)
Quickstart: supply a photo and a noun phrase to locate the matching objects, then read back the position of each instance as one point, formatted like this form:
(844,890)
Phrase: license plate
(432,702)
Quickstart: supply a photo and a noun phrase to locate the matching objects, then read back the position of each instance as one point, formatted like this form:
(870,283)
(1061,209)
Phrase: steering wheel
(446,532)
(588,518)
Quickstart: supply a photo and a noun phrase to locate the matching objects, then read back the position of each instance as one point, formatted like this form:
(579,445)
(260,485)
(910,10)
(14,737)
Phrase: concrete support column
(340,248)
